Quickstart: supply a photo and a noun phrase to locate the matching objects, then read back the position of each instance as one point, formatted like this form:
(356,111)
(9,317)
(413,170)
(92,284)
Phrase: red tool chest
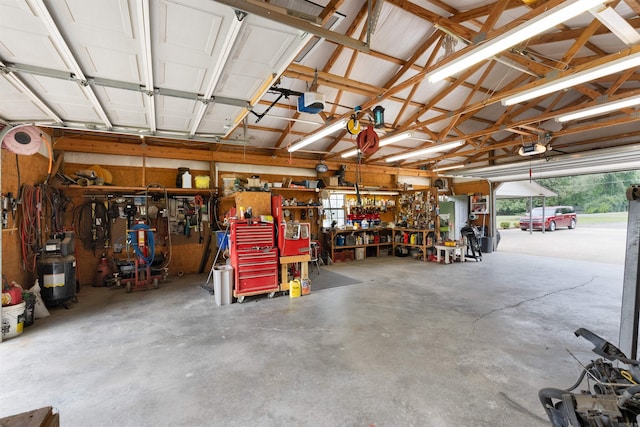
(254,258)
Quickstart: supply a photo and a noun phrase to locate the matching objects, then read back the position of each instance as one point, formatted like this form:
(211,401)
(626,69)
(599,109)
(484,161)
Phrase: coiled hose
(30,226)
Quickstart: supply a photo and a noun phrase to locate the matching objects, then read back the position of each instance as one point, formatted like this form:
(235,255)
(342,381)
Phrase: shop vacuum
(57,271)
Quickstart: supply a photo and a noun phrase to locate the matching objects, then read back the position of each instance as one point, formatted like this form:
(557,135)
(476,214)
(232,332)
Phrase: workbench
(284,265)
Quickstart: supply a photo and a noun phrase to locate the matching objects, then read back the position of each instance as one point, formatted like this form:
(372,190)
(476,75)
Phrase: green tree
(597,193)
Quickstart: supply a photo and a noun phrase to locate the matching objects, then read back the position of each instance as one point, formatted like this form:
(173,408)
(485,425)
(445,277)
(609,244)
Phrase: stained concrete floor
(412,344)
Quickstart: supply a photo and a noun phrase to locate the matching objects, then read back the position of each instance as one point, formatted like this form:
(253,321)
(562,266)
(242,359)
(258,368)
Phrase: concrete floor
(413,344)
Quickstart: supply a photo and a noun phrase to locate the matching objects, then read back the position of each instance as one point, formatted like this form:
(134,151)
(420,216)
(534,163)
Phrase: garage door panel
(217,117)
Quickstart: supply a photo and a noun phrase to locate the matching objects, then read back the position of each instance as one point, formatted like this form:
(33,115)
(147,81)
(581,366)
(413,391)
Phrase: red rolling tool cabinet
(254,258)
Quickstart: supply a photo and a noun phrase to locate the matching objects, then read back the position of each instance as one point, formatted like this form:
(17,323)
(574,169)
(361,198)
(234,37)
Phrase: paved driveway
(601,243)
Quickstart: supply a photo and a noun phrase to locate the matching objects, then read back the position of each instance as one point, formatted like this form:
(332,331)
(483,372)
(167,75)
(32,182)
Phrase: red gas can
(11,295)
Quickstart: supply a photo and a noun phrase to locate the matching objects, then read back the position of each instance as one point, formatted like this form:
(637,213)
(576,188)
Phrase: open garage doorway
(598,237)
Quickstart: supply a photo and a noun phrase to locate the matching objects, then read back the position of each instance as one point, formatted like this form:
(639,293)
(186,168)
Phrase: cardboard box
(334,181)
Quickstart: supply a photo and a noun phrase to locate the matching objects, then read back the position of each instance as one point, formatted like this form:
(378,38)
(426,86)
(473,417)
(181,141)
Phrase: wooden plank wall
(185,252)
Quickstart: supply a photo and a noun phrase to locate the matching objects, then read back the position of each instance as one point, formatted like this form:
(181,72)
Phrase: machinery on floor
(140,238)
(612,397)
(56,268)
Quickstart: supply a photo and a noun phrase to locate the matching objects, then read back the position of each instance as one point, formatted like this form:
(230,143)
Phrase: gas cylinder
(103,271)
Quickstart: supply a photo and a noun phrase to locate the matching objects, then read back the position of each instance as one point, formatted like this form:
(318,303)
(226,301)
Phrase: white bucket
(12,320)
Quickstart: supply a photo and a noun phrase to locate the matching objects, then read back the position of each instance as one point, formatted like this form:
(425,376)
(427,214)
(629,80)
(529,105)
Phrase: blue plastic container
(223,239)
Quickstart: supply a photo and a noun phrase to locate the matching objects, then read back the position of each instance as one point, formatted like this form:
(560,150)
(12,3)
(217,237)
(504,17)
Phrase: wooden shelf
(377,246)
(373,245)
(307,190)
(423,246)
(414,230)
(101,189)
(365,191)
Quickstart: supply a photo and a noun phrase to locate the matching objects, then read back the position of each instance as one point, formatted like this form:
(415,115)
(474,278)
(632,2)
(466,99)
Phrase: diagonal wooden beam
(494,14)
(329,10)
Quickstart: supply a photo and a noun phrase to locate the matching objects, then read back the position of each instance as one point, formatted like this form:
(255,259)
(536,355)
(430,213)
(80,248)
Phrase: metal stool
(314,251)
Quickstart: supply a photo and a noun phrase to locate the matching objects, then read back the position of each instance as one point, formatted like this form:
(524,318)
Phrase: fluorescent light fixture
(532,149)
(318,135)
(601,109)
(382,143)
(432,149)
(532,27)
(448,168)
(350,153)
(630,61)
(617,25)
(395,138)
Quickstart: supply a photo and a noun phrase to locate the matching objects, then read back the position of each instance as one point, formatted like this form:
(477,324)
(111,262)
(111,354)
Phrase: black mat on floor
(328,279)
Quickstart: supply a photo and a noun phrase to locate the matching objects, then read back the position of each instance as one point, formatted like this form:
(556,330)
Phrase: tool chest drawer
(254,258)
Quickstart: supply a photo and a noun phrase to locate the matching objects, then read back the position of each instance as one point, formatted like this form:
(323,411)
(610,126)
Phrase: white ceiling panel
(232,85)
(184,59)
(30,48)
(217,117)
(150,64)
(173,122)
(180,76)
(129,118)
(174,114)
(112,63)
(120,98)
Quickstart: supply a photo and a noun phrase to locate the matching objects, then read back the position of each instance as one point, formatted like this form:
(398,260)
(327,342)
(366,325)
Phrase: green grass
(582,218)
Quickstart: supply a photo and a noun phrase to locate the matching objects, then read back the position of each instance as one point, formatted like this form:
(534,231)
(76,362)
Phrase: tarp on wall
(517,189)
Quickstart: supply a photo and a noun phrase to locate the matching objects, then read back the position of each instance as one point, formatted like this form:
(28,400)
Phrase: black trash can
(486,244)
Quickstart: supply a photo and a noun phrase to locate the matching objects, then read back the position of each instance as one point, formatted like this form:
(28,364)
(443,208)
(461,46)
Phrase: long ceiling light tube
(617,25)
(232,35)
(318,135)
(506,62)
(600,109)
(67,56)
(532,27)
(382,143)
(621,64)
(447,168)
(144,26)
(428,150)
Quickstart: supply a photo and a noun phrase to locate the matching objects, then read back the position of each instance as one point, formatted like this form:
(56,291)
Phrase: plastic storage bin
(223,239)
(223,284)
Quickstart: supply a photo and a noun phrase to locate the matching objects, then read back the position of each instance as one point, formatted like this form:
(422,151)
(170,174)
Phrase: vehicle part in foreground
(612,397)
